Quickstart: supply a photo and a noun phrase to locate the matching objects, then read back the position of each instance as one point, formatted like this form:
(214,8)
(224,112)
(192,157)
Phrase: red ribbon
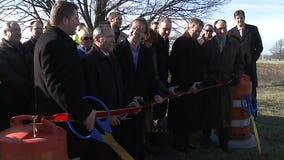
(63,117)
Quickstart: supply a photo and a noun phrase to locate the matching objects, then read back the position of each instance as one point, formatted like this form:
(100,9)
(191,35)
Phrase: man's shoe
(181,148)
(227,149)
(190,146)
(206,142)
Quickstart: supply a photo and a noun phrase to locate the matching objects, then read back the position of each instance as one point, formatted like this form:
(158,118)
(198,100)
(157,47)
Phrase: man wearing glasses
(207,34)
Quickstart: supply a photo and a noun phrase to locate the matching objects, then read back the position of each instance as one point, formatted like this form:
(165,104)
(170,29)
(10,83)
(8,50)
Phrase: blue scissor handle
(104,124)
(251,107)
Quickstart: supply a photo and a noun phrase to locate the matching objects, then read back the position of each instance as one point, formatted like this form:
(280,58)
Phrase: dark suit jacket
(186,63)
(251,46)
(15,84)
(59,76)
(186,67)
(220,67)
(142,80)
(161,47)
(104,79)
(28,48)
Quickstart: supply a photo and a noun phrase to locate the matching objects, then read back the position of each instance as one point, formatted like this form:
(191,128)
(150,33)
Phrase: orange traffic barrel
(33,141)
(240,124)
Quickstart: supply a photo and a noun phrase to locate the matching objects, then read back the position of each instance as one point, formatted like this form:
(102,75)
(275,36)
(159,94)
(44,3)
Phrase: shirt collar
(239,28)
(133,48)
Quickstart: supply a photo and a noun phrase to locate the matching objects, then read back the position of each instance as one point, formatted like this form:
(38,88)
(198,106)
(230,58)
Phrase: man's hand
(90,121)
(173,90)
(114,121)
(195,87)
(136,102)
(158,99)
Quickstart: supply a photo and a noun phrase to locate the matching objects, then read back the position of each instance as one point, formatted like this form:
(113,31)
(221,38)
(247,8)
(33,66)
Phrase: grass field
(271,108)
(270,123)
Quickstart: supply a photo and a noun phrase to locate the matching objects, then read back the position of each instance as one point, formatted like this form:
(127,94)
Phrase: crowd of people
(51,72)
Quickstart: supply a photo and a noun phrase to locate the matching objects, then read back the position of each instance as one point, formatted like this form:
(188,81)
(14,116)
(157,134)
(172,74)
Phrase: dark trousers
(160,110)
(180,139)
(131,136)
(223,137)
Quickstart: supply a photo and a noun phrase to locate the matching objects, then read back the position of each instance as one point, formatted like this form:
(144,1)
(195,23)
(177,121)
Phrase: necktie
(241,32)
(221,45)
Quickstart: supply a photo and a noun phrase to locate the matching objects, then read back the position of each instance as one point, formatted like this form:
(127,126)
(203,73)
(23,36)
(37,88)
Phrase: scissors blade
(121,152)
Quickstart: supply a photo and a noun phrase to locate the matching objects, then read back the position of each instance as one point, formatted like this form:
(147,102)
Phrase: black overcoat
(104,79)
(139,81)
(251,46)
(161,47)
(15,83)
(221,67)
(59,80)
(186,67)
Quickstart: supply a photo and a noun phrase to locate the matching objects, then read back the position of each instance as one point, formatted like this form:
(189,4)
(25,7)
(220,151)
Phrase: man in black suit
(15,81)
(186,68)
(58,74)
(104,80)
(139,78)
(251,45)
(29,46)
(161,62)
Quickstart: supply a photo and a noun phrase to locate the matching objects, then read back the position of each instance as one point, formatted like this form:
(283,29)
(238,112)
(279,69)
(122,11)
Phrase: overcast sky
(267,15)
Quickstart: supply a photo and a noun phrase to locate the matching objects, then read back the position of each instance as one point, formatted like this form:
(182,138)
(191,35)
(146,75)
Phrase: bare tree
(277,51)
(94,12)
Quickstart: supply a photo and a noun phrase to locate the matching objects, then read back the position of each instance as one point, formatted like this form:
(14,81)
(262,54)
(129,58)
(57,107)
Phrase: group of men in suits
(120,72)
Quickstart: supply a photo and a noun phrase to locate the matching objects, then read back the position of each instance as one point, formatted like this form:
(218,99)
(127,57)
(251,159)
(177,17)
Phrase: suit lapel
(129,57)
(140,57)
(246,31)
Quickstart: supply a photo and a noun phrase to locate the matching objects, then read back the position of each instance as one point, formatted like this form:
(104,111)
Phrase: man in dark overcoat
(161,61)
(16,87)
(104,81)
(224,62)
(59,83)
(251,45)
(36,28)
(139,78)
(186,69)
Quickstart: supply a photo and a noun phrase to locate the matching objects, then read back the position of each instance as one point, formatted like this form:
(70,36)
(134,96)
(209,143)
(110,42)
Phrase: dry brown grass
(270,73)
(270,123)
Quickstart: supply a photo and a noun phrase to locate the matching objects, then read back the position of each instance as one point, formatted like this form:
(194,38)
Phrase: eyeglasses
(208,30)
(87,38)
